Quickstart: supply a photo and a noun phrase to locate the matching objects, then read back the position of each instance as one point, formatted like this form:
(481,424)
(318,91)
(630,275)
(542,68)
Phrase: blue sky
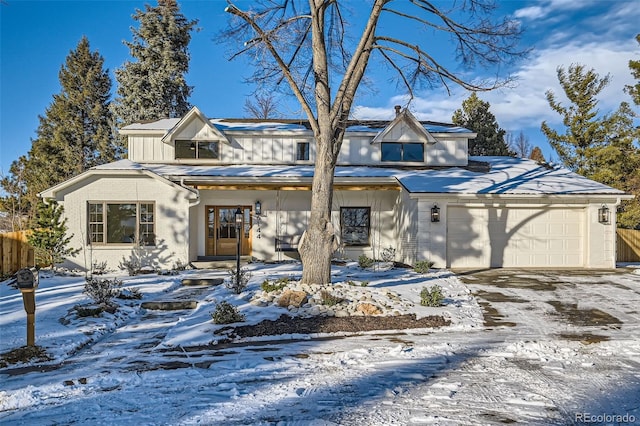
(36,37)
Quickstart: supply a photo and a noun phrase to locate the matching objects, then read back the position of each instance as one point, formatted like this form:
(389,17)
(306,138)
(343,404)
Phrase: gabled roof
(194,114)
(117,168)
(405,117)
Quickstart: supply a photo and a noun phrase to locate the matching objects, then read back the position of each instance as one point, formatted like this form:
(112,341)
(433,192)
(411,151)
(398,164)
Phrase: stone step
(170,305)
(202,281)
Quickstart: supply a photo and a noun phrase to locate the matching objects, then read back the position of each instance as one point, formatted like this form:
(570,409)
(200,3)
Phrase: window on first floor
(302,151)
(355,225)
(122,223)
(394,151)
(197,149)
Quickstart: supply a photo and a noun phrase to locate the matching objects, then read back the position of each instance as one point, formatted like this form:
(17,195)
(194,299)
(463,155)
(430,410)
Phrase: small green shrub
(102,291)
(364,283)
(226,313)
(329,299)
(129,294)
(267,286)
(365,261)
(431,296)
(423,266)
(238,284)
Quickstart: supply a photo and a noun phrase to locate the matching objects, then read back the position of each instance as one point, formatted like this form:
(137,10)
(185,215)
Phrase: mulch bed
(320,324)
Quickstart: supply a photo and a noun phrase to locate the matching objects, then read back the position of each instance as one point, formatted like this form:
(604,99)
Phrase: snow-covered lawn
(538,359)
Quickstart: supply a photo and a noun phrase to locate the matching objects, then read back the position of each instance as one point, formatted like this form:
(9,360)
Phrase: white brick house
(176,195)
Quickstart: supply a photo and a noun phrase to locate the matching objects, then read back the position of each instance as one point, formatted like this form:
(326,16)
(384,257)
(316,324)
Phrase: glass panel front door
(221,231)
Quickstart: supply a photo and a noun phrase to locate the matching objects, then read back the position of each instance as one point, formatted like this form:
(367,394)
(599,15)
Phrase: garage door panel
(514,237)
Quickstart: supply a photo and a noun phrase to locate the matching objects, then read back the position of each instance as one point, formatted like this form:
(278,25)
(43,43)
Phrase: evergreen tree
(537,155)
(475,116)
(49,236)
(634,66)
(74,134)
(153,86)
(585,130)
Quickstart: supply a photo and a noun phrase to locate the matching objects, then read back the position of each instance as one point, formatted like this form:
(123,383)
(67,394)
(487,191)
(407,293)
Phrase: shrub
(238,284)
(132,265)
(99,268)
(179,265)
(431,296)
(85,311)
(330,299)
(268,286)
(102,291)
(423,266)
(365,261)
(226,313)
(388,254)
(364,283)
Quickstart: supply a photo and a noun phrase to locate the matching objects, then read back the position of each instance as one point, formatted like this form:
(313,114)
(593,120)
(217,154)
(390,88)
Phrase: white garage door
(514,237)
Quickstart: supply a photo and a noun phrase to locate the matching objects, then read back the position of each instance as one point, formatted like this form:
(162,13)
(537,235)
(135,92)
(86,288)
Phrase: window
(393,151)
(354,225)
(197,149)
(122,223)
(302,151)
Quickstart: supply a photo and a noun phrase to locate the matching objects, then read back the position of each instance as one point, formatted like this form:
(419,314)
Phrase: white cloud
(532,12)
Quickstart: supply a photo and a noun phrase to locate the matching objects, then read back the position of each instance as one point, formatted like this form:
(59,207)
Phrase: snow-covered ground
(550,349)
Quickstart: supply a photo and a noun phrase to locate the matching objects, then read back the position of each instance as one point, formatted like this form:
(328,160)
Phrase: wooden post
(29,299)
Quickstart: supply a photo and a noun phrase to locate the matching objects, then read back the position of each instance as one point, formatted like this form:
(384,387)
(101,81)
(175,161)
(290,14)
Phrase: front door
(222,233)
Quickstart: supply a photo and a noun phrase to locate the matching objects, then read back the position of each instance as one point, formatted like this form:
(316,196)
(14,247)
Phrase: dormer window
(302,151)
(405,152)
(197,149)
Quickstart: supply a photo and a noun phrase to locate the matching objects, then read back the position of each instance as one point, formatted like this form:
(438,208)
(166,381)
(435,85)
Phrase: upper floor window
(354,225)
(197,149)
(302,151)
(394,151)
(122,223)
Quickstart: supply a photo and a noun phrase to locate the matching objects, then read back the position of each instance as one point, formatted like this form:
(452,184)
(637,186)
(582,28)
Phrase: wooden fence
(15,252)
(628,245)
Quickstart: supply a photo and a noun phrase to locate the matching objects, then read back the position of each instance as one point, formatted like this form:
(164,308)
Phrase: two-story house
(404,183)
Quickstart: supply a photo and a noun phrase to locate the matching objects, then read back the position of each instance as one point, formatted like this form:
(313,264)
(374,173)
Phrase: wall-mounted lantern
(604,214)
(258,208)
(435,213)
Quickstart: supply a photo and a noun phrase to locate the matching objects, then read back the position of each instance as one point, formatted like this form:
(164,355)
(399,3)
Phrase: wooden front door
(221,231)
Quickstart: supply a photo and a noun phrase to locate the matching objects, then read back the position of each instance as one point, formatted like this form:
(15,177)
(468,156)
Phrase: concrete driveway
(585,305)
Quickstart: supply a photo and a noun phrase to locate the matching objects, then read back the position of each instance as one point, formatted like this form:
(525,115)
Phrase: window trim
(104,224)
(402,152)
(368,226)
(307,151)
(197,150)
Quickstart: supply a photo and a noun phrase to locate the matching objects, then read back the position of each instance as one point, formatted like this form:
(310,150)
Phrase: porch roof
(504,175)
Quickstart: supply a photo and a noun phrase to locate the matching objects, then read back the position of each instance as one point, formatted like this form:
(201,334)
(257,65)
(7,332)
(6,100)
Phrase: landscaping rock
(368,309)
(292,298)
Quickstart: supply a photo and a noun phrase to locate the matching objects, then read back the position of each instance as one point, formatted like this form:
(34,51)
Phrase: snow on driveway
(531,347)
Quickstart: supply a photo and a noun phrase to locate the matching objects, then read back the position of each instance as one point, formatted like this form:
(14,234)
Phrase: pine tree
(49,235)
(475,116)
(153,86)
(634,66)
(74,134)
(585,130)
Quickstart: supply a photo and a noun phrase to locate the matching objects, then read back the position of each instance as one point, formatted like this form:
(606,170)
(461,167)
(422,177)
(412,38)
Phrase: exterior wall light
(258,208)
(604,214)
(435,213)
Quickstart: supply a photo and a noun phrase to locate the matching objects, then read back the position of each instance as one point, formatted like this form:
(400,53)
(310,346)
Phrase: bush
(226,313)
(238,284)
(423,266)
(132,265)
(388,254)
(431,296)
(84,311)
(130,294)
(364,283)
(99,268)
(365,261)
(329,299)
(268,287)
(102,291)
